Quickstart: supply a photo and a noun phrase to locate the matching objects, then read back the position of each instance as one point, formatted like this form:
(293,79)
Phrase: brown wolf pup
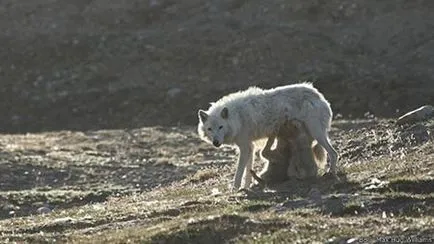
(293,157)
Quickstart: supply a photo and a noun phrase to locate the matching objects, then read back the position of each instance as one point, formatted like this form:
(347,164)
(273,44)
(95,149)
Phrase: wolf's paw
(234,188)
(330,175)
(257,187)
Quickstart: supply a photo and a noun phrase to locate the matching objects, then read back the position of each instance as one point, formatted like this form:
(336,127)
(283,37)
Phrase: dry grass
(383,195)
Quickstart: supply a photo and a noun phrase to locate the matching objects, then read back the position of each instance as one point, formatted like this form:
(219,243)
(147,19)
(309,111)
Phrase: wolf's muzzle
(216,143)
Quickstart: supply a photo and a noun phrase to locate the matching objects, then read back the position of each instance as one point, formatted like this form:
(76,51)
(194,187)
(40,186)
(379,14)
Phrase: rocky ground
(99,99)
(163,185)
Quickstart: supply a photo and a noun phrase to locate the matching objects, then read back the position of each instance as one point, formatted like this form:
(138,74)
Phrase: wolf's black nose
(216,143)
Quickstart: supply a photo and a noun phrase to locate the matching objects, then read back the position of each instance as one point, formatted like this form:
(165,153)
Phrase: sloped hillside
(99,98)
(163,185)
(127,64)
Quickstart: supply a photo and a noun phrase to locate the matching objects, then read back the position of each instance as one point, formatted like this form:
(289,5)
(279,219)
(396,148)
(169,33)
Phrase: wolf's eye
(221,127)
(209,129)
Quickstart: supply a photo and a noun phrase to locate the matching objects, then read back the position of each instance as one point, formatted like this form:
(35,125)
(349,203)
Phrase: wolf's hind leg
(319,133)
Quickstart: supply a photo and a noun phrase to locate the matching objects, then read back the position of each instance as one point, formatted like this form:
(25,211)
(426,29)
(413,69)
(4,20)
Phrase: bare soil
(163,185)
(99,100)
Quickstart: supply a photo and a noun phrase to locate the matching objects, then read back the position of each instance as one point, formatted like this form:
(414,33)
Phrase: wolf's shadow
(306,188)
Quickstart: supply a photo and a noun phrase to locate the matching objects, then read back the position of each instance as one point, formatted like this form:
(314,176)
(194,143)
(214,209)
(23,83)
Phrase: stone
(423,113)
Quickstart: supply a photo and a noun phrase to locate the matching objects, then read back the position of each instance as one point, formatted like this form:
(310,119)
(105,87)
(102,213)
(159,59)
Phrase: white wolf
(243,117)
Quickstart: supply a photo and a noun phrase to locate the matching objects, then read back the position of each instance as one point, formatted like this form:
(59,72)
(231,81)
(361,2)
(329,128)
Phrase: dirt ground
(99,100)
(163,185)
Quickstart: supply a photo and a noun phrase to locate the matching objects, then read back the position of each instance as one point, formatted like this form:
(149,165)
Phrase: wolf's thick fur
(241,118)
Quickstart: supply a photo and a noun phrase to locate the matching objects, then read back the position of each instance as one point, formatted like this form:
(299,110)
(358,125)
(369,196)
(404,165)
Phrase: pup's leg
(260,181)
(266,151)
(320,155)
(308,166)
(246,156)
(319,133)
(276,155)
(308,162)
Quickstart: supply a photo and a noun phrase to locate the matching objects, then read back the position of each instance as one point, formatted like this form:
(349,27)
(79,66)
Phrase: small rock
(215,192)
(162,162)
(9,207)
(62,221)
(153,3)
(87,218)
(15,118)
(43,210)
(423,113)
(339,116)
(416,134)
(333,205)
(315,195)
(375,184)
(192,221)
(235,61)
(173,212)
(191,203)
(173,92)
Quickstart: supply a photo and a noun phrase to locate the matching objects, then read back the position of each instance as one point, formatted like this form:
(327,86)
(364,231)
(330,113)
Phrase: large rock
(420,114)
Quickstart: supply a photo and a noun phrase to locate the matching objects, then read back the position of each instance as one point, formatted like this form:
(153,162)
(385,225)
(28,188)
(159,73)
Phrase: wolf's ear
(203,116)
(225,113)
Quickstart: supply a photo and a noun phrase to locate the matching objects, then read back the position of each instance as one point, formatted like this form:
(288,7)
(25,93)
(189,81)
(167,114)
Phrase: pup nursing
(293,157)
(243,117)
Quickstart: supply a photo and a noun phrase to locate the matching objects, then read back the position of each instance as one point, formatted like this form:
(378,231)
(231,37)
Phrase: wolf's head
(214,127)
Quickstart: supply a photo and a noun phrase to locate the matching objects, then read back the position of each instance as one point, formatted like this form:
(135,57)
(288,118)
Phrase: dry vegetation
(163,185)
(99,98)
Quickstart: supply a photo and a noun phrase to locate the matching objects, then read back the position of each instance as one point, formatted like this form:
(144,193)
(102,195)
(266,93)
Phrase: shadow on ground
(219,229)
(422,186)
(66,169)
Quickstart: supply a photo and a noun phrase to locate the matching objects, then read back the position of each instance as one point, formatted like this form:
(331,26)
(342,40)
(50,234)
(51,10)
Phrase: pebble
(43,210)
(315,195)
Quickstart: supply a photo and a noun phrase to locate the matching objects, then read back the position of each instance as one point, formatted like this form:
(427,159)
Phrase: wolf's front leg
(248,173)
(245,158)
